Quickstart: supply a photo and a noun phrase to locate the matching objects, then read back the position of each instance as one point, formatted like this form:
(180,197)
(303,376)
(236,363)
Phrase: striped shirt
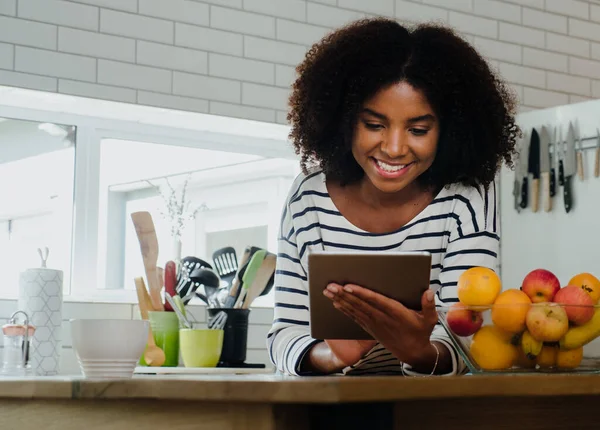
(459,228)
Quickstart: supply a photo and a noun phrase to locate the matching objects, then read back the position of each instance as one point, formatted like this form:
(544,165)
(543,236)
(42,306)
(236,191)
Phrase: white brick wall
(237,57)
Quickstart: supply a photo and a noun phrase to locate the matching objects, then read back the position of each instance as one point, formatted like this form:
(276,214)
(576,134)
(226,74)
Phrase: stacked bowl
(109,348)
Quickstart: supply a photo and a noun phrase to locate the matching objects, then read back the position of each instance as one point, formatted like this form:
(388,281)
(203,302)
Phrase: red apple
(540,285)
(547,322)
(581,308)
(462,320)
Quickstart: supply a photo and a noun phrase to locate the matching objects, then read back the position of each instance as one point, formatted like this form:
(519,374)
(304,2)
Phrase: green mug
(201,347)
(165,330)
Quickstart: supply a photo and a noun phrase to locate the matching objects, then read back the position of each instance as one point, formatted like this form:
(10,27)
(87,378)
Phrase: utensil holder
(165,329)
(235,338)
(41,297)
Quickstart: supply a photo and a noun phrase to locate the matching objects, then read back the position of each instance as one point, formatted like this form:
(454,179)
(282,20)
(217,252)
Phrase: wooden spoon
(144,228)
(153,355)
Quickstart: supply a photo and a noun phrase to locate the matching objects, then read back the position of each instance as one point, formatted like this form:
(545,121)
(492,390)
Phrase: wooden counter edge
(309,389)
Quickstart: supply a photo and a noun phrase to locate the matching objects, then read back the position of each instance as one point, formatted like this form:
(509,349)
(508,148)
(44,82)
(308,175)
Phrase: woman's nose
(395,144)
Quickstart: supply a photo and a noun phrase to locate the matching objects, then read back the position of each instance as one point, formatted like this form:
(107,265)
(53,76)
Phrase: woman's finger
(376,300)
(369,312)
(428,308)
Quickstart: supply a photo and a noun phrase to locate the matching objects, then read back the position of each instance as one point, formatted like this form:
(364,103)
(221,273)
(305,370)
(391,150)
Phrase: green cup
(165,329)
(201,347)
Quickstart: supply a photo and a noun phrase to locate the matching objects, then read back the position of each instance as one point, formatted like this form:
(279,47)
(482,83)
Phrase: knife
(570,168)
(545,168)
(553,162)
(597,162)
(534,168)
(518,174)
(523,159)
(560,157)
(579,155)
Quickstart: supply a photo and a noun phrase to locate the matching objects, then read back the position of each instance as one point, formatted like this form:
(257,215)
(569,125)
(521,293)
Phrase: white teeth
(389,167)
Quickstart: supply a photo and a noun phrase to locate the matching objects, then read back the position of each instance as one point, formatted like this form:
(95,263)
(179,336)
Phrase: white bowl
(109,348)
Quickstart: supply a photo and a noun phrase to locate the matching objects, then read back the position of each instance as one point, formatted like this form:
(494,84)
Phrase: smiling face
(395,137)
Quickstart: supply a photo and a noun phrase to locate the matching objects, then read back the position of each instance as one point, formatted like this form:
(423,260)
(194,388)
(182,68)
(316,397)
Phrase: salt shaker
(17,346)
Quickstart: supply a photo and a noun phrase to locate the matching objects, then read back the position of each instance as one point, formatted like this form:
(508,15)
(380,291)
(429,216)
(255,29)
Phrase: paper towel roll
(40,296)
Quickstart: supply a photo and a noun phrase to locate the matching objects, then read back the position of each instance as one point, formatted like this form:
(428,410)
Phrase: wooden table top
(282,389)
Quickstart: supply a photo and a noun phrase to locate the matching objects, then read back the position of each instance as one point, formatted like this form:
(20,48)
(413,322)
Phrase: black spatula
(226,264)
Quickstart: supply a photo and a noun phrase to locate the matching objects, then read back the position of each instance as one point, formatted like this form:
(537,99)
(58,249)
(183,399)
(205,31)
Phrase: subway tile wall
(260,323)
(236,57)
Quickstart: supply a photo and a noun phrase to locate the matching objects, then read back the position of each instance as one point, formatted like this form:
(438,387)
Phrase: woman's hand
(403,332)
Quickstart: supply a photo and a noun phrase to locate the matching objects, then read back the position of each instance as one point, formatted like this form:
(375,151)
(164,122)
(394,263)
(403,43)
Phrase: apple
(547,322)
(462,320)
(540,285)
(580,307)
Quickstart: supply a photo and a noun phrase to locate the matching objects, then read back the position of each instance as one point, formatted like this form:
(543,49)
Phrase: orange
(589,283)
(478,286)
(510,310)
(492,348)
(547,356)
(570,358)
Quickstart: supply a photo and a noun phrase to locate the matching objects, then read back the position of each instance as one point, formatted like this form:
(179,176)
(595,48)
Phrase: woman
(401,133)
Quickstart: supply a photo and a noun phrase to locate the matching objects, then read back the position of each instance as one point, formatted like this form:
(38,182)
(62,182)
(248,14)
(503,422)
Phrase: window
(36,173)
(228,198)
(79,203)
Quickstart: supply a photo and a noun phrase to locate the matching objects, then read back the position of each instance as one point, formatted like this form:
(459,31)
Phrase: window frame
(93,128)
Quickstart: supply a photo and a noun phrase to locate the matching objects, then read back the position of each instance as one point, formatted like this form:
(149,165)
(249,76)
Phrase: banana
(580,335)
(530,346)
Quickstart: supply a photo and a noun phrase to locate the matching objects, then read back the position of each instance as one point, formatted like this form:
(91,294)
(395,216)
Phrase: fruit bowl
(544,337)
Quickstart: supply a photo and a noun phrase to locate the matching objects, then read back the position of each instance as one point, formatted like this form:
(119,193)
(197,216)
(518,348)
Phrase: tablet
(403,276)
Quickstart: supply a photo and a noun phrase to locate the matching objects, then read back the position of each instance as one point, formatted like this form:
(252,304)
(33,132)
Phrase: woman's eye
(418,131)
(373,126)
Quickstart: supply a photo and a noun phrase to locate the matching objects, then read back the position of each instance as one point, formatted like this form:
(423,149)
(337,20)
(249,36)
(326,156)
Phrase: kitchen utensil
(144,228)
(188,265)
(518,174)
(523,169)
(261,279)
(553,163)
(153,355)
(569,168)
(165,328)
(197,294)
(170,282)
(579,155)
(534,169)
(560,151)
(235,339)
(597,160)
(218,321)
(225,261)
(207,278)
(201,347)
(249,275)
(182,318)
(545,168)
(269,285)
(234,290)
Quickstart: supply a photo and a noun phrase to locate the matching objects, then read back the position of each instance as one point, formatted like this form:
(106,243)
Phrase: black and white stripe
(458,228)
